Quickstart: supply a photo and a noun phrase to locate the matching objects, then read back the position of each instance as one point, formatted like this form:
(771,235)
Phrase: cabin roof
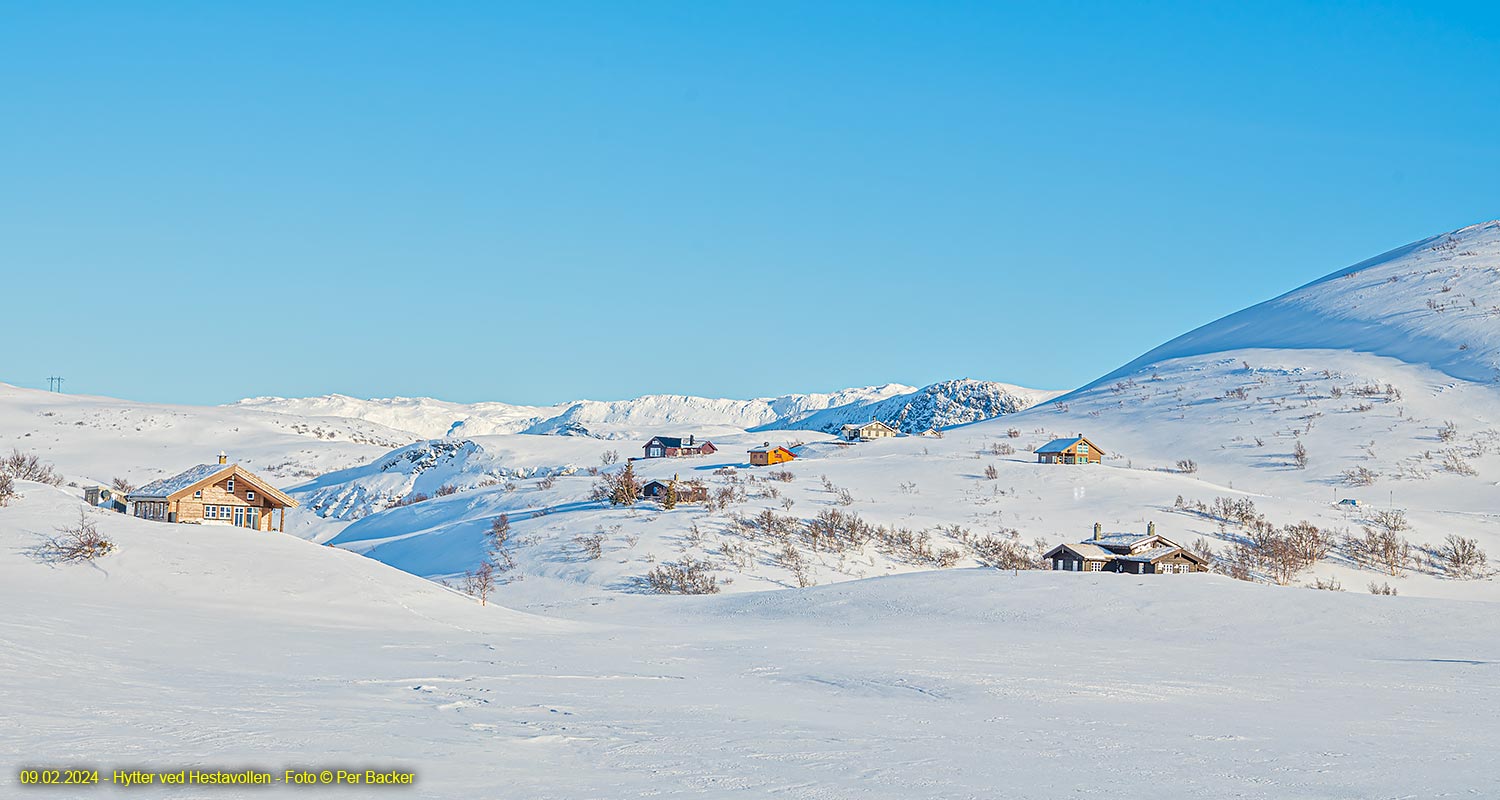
(203,474)
(768,448)
(161,489)
(667,441)
(1059,445)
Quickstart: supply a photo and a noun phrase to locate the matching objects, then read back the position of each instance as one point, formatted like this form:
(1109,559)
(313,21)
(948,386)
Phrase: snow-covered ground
(216,646)
(231,649)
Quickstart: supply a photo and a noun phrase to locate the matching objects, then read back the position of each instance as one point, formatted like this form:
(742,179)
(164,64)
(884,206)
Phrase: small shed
(766,455)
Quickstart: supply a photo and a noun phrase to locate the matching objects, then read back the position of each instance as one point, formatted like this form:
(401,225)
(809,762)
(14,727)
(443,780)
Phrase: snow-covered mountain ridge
(947,403)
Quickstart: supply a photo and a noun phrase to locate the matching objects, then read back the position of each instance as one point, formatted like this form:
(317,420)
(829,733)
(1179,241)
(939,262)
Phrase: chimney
(223,457)
(691,438)
(1151,529)
(1098,531)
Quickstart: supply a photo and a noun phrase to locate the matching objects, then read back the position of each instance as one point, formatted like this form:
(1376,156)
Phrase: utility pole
(54,384)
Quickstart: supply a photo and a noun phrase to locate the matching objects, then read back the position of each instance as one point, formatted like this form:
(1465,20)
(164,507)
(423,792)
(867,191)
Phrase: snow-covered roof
(1059,445)
(1086,550)
(161,489)
(768,448)
(1152,554)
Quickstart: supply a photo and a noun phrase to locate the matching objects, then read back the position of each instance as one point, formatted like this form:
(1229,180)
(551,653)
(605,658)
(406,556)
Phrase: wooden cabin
(766,455)
(213,494)
(1132,553)
(687,491)
(674,446)
(874,429)
(1075,450)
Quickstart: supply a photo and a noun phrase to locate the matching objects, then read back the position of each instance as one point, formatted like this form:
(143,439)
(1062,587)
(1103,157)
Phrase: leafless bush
(592,545)
(1003,552)
(1462,558)
(77,543)
(122,486)
(609,457)
(1447,432)
(1382,588)
(1380,548)
(7,489)
(498,536)
(790,558)
(1299,455)
(991,473)
(845,497)
(1454,462)
(1358,476)
(688,576)
(1013,433)
(547,482)
(1187,466)
(445,490)
(28,467)
(783,475)
(412,499)
(480,581)
(1330,585)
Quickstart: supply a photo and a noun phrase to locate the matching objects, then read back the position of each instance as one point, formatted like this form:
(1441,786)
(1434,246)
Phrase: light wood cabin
(874,429)
(213,494)
(1072,450)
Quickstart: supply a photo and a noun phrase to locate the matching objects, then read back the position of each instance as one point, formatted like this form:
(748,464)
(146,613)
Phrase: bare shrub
(591,544)
(688,576)
(547,482)
(480,581)
(1187,466)
(1013,433)
(1454,462)
(1382,588)
(1330,585)
(29,467)
(1299,455)
(1447,432)
(1003,552)
(121,486)
(790,558)
(445,490)
(991,473)
(1462,558)
(1380,548)
(7,489)
(498,536)
(783,475)
(845,497)
(412,499)
(1358,476)
(77,543)
(609,457)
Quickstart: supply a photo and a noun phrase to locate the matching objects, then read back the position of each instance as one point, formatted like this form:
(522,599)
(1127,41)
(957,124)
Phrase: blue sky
(545,201)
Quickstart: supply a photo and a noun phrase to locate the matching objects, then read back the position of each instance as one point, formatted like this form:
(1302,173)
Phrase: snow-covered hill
(96,439)
(229,649)
(939,406)
(1193,422)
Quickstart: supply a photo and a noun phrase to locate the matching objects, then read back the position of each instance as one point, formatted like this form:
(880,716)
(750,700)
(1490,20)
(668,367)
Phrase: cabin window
(198,493)
(654,452)
(1083,448)
(1096,566)
(229,486)
(210,512)
(1140,569)
(250,495)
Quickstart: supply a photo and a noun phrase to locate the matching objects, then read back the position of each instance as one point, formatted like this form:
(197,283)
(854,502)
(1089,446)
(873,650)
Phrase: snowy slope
(222,648)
